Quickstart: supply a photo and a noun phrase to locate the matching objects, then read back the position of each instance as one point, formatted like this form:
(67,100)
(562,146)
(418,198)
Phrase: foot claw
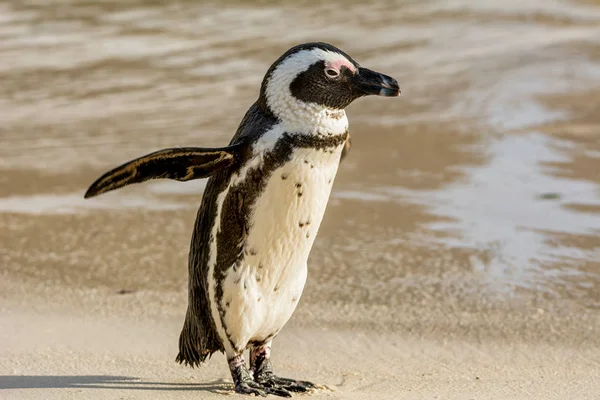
(278,391)
(250,387)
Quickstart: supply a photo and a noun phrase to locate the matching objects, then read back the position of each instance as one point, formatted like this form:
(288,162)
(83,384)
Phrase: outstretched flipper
(181,164)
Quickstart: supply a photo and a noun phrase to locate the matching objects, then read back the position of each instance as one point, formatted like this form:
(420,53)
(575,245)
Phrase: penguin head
(320,76)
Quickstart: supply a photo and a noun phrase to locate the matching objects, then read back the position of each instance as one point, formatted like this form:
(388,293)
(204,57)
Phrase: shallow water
(483,178)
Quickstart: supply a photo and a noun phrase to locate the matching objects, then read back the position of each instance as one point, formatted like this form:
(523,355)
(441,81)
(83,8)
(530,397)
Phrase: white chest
(287,215)
(263,291)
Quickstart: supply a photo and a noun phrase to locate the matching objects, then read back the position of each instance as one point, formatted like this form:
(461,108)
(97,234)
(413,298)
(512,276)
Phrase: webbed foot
(250,387)
(242,380)
(263,374)
(286,384)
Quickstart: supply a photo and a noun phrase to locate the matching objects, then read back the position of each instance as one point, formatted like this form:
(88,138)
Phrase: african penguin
(261,209)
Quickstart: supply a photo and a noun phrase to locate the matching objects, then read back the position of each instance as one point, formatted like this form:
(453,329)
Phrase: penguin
(261,209)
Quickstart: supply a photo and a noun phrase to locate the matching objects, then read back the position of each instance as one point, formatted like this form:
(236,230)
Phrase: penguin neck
(297,116)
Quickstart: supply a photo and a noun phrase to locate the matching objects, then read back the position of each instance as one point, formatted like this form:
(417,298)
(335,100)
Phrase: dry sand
(113,353)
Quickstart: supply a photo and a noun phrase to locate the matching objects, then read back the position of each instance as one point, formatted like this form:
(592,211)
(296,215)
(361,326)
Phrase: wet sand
(458,258)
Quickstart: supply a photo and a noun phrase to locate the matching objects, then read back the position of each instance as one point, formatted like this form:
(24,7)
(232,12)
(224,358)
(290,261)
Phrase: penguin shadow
(106,382)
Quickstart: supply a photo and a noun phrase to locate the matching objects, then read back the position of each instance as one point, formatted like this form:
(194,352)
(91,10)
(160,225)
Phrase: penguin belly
(262,291)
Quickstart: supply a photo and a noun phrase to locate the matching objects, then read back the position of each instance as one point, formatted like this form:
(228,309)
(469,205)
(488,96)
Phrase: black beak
(366,82)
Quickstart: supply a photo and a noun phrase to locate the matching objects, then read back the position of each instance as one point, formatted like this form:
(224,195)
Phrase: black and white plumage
(262,208)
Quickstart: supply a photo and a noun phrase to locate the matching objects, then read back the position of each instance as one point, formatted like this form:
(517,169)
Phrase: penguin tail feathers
(191,357)
(197,342)
(181,164)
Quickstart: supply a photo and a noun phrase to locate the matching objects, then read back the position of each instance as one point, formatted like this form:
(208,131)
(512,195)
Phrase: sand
(116,354)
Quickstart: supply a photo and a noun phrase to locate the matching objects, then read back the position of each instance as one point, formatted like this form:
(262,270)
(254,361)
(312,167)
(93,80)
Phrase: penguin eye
(331,72)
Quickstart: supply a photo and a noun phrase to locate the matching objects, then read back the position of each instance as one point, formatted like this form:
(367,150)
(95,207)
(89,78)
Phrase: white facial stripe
(300,61)
(279,97)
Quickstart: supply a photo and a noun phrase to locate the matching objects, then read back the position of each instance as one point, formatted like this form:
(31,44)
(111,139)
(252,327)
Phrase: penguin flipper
(181,164)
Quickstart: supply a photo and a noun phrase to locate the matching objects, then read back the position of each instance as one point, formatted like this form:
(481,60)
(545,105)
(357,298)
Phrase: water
(482,179)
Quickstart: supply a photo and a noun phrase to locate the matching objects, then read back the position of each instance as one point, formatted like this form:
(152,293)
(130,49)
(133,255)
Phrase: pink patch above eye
(338,64)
